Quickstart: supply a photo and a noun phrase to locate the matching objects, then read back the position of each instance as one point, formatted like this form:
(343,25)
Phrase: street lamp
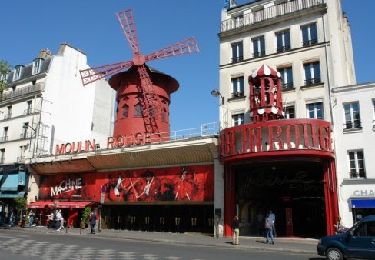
(223,110)
(216,93)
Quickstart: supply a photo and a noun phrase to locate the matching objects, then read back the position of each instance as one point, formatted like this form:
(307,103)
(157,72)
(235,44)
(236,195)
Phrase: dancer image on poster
(185,186)
(151,187)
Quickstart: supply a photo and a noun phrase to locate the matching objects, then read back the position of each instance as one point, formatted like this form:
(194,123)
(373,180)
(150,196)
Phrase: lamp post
(223,110)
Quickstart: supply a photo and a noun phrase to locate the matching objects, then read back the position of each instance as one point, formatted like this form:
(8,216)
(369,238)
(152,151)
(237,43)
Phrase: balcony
(277,137)
(8,95)
(259,54)
(312,82)
(278,10)
(309,42)
(3,138)
(352,125)
(287,86)
(284,48)
(237,59)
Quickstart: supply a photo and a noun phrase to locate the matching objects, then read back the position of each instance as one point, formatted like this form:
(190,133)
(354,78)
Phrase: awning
(363,203)
(10,182)
(40,204)
(73,204)
(12,195)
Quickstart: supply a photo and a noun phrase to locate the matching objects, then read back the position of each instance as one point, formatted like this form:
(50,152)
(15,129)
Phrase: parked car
(357,242)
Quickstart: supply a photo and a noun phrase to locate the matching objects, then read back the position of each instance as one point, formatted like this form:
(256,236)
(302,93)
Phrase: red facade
(190,183)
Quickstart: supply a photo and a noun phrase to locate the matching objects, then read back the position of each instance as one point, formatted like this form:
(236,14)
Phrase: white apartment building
(309,43)
(45,104)
(354,130)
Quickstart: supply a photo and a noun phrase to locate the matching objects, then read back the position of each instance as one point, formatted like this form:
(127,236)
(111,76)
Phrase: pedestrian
(236,230)
(272,216)
(268,225)
(60,220)
(92,222)
(31,218)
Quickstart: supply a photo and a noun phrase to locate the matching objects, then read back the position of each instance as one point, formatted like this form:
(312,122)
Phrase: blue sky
(28,26)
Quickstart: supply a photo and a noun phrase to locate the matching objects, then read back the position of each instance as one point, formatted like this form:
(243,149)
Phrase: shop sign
(364,193)
(112,142)
(66,186)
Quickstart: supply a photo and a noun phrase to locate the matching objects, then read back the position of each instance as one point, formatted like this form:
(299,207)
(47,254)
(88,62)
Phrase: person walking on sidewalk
(268,225)
(92,222)
(236,230)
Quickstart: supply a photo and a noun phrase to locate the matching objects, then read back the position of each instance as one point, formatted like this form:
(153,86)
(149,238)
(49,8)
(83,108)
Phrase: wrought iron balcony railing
(278,10)
(21,92)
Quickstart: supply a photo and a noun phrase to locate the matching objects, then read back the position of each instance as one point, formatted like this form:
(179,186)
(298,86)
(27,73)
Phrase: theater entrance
(162,218)
(294,191)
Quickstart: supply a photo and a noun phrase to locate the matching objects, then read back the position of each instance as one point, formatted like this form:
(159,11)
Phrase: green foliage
(4,69)
(85,217)
(20,203)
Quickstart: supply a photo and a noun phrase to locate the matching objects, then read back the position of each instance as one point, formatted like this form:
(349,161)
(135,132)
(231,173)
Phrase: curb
(214,244)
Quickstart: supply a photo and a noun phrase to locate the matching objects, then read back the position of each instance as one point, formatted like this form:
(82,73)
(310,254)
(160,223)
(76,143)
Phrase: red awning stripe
(40,204)
(59,204)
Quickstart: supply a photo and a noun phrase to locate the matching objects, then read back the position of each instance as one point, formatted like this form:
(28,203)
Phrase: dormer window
(4,77)
(18,72)
(37,65)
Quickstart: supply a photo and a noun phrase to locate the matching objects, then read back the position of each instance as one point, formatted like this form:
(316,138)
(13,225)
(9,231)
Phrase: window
(356,163)
(18,72)
(237,52)
(164,115)
(315,110)
(238,87)
(9,112)
(312,73)
(258,47)
(373,108)
(138,110)
(283,41)
(29,107)
(23,149)
(2,156)
(287,78)
(37,65)
(289,112)
(24,130)
(238,20)
(5,135)
(125,111)
(238,119)
(352,115)
(309,34)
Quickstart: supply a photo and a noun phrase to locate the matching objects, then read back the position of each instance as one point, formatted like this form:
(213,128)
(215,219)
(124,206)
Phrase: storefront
(171,190)
(357,201)
(13,184)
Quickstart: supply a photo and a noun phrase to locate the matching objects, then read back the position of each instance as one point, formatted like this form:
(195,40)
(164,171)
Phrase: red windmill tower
(143,96)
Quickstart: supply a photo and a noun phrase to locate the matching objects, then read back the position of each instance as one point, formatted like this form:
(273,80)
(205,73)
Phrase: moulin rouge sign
(112,142)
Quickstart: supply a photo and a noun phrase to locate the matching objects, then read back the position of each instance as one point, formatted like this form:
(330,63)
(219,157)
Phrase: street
(23,245)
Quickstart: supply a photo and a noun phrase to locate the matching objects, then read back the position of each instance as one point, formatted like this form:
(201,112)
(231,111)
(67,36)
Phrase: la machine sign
(112,143)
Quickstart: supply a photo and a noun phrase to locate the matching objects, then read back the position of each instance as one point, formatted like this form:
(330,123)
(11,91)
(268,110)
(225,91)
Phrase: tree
(4,69)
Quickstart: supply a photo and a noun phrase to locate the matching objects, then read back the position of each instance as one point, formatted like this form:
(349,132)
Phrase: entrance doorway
(162,218)
(294,191)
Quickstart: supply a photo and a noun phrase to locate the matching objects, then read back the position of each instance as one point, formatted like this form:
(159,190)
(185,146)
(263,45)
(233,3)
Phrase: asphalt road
(19,246)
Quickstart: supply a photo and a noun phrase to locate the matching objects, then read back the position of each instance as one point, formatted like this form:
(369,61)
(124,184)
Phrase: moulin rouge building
(283,165)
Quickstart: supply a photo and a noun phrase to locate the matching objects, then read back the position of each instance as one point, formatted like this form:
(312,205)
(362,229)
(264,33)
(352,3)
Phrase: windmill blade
(93,74)
(127,23)
(183,47)
(146,82)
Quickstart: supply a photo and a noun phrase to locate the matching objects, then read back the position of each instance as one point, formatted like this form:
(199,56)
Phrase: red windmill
(135,86)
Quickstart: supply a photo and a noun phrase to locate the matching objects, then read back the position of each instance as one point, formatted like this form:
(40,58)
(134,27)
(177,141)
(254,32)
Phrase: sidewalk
(294,245)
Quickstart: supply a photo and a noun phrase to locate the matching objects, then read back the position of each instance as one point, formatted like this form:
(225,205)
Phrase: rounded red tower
(130,120)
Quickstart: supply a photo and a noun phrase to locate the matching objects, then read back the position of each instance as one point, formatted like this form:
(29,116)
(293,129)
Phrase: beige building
(309,43)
